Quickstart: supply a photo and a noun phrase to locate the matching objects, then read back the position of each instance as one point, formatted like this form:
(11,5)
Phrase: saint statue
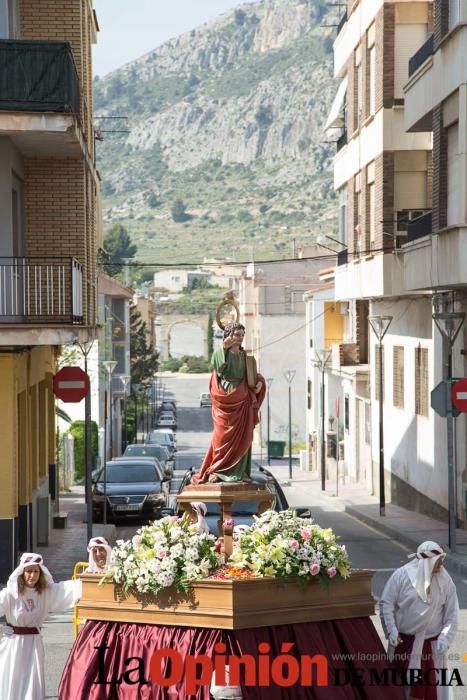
(235,412)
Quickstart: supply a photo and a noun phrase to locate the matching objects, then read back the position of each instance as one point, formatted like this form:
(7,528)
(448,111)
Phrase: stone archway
(167,324)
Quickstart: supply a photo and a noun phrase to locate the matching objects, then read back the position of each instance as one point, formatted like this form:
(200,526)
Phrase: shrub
(77,430)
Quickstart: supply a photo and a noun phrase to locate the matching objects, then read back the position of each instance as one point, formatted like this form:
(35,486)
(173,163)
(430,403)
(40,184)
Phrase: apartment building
(436,256)
(49,214)
(387,187)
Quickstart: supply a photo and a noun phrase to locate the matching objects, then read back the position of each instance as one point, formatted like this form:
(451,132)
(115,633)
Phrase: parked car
(205,399)
(165,480)
(133,487)
(168,405)
(158,437)
(243,511)
(157,451)
(171,433)
(167,420)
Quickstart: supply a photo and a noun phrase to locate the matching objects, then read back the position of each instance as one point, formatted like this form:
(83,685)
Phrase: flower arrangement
(168,552)
(285,546)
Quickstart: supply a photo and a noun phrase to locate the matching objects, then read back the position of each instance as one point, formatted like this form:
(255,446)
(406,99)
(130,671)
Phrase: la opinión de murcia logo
(167,667)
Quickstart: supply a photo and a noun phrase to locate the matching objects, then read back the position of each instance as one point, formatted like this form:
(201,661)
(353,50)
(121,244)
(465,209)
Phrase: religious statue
(235,409)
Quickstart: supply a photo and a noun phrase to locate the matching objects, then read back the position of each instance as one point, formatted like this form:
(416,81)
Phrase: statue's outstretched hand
(258,387)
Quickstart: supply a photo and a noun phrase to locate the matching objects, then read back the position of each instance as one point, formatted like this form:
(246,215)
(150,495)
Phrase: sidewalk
(409,528)
(68,546)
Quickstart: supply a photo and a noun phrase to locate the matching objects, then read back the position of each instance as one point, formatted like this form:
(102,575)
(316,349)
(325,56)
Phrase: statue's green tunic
(231,370)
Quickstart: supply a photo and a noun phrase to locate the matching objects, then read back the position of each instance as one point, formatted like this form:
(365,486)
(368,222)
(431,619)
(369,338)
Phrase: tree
(118,246)
(144,359)
(240,17)
(77,429)
(210,336)
(179,212)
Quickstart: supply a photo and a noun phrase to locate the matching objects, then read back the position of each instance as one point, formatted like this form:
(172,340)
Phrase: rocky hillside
(224,122)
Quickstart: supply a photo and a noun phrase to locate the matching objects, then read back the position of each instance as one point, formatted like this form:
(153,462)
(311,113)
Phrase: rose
(314,569)
(332,571)
(293,544)
(305,534)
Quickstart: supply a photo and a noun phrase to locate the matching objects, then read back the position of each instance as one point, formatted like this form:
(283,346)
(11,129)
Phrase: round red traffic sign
(459,395)
(71,384)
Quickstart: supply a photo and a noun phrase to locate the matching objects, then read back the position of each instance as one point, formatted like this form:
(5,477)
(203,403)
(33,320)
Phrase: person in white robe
(100,553)
(29,596)
(420,599)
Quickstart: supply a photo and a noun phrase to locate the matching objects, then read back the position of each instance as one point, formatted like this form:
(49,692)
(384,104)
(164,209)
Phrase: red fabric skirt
(352,648)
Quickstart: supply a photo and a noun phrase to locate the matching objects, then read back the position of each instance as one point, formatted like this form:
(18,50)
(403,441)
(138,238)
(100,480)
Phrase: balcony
(419,227)
(342,21)
(41,291)
(343,257)
(39,97)
(423,53)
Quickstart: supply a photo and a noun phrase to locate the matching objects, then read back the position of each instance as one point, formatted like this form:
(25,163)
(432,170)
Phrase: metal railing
(343,256)
(342,21)
(38,76)
(41,290)
(419,227)
(424,52)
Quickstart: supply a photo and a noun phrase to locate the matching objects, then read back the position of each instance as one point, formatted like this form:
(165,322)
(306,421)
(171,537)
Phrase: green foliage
(264,116)
(144,359)
(210,336)
(77,429)
(195,365)
(107,188)
(240,17)
(179,212)
(153,200)
(244,216)
(119,247)
(173,364)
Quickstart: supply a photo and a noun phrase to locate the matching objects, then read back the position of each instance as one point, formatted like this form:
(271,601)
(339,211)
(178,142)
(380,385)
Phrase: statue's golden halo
(226,303)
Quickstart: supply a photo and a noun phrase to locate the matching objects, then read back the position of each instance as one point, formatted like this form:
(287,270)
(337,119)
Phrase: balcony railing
(343,256)
(342,21)
(349,354)
(41,291)
(419,227)
(424,52)
(38,76)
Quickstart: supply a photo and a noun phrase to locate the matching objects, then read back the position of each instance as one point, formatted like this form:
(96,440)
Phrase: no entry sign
(459,395)
(71,384)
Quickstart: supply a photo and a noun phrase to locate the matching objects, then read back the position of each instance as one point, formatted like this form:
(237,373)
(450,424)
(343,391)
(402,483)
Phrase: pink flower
(229,522)
(161,553)
(332,571)
(305,534)
(314,569)
(293,544)
(137,540)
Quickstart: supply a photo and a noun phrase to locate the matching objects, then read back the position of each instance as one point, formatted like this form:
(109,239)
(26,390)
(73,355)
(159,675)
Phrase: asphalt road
(367,548)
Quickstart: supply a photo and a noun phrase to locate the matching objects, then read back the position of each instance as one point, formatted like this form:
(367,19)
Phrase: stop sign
(459,395)
(71,384)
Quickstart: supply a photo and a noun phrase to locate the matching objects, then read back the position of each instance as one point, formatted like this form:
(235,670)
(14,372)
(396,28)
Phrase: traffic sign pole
(451,490)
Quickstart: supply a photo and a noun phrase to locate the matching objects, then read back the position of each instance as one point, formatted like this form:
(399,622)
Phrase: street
(367,548)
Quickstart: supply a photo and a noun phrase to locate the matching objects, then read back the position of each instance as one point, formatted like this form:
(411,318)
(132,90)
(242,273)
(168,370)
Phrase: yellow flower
(269,571)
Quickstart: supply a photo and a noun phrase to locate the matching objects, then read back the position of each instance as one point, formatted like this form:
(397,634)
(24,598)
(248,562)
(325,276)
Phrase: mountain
(225,154)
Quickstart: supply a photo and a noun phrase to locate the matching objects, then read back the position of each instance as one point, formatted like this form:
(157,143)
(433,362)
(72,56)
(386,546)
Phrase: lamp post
(109,367)
(135,391)
(449,323)
(322,357)
(85,350)
(289,375)
(125,380)
(379,326)
(269,382)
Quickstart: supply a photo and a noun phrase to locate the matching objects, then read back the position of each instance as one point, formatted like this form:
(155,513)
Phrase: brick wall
(55,215)
(440,171)
(440,20)
(384,206)
(384,35)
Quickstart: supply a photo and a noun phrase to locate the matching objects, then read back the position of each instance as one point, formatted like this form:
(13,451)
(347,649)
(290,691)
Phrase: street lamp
(109,367)
(322,358)
(125,380)
(379,326)
(269,382)
(289,375)
(449,323)
(85,350)
(135,391)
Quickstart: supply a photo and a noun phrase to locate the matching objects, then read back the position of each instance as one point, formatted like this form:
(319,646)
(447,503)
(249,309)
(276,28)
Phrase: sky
(129,29)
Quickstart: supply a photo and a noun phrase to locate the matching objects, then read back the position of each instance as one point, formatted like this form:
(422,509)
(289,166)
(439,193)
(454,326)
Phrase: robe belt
(24,630)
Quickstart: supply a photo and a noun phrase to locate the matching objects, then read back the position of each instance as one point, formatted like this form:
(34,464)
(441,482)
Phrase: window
(377,371)
(309,390)
(367,424)
(421,381)
(372,60)
(407,40)
(346,413)
(398,376)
